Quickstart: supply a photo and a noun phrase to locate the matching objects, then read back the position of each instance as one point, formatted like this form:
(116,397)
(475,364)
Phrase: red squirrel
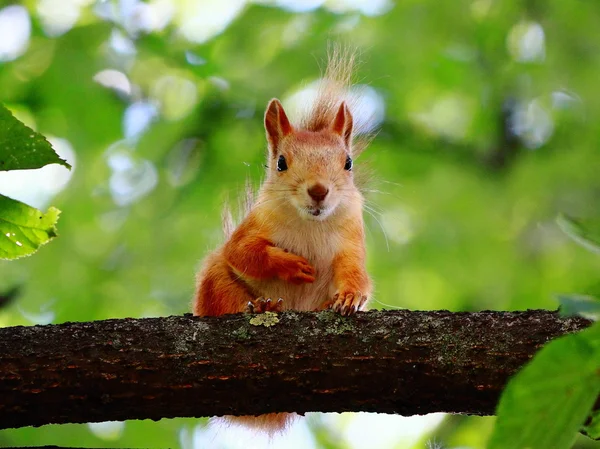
(301,245)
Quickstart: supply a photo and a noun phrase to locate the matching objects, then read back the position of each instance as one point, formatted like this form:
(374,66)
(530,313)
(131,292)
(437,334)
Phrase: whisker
(391,307)
(375,207)
(372,212)
(376,191)
(391,182)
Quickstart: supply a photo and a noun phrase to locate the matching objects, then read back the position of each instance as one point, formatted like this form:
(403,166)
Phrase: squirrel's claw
(260,305)
(347,303)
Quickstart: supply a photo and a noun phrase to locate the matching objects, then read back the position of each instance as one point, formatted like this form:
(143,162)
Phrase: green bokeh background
(465,206)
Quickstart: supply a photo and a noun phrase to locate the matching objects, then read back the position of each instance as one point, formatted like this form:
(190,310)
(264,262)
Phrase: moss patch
(335,323)
(266,319)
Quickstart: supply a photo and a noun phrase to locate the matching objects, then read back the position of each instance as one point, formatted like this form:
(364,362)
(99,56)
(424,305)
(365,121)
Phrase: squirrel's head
(311,170)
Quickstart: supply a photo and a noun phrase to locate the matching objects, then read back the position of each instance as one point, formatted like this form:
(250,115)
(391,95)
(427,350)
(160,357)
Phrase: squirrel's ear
(277,124)
(342,124)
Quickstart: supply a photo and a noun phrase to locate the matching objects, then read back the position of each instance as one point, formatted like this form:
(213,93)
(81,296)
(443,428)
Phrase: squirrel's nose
(318,192)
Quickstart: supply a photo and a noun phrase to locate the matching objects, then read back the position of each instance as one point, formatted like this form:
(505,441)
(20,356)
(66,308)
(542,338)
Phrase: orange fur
(271,423)
(303,238)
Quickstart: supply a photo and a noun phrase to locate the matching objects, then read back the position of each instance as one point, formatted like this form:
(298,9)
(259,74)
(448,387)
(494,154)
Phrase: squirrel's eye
(281,164)
(348,165)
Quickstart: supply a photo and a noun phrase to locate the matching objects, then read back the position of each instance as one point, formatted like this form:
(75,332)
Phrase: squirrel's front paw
(346,302)
(297,270)
(260,305)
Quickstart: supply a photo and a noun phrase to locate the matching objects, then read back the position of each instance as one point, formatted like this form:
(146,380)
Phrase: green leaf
(587,235)
(546,403)
(582,305)
(23,148)
(23,229)
(592,427)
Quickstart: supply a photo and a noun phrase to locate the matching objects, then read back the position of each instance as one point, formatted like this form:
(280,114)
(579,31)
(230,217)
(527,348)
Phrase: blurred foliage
(582,305)
(586,234)
(491,129)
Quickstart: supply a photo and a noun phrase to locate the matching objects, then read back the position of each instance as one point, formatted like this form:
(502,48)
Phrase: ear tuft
(277,124)
(342,124)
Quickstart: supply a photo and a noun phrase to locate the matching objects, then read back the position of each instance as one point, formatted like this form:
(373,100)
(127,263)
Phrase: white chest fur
(319,243)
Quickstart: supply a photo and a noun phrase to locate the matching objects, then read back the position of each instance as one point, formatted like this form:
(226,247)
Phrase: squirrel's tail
(271,423)
(227,222)
(333,88)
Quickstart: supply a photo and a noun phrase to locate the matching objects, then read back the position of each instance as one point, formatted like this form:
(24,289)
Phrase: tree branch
(388,362)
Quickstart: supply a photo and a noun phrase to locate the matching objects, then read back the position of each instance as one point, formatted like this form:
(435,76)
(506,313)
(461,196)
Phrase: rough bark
(388,362)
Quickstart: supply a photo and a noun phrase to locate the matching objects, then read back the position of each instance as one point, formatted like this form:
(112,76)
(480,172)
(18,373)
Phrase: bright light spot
(201,20)
(137,118)
(131,178)
(37,187)
(194,59)
(564,100)
(526,42)
(137,16)
(397,225)
(219,83)
(108,430)
(119,156)
(15,30)
(104,9)
(177,96)
(449,116)
(385,431)
(366,105)
(147,17)
(461,53)
(293,5)
(347,23)
(162,13)
(533,123)
(58,17)
(299,103)
(113,79)
(112,221)
(18,243)
(43,316)
(59,176)
(368,108)
(296,29)
(183,162)
(122,44)
(481,8)
(366,7)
